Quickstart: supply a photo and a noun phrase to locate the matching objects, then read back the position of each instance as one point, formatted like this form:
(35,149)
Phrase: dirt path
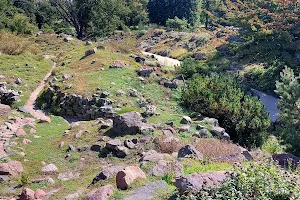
(30,104)
(166,61)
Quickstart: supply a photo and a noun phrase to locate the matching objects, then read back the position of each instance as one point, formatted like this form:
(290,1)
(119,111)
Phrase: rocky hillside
(115,127)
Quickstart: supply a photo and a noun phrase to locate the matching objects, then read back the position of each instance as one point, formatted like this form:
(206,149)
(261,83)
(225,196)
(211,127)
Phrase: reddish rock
(20,132)
(39,194)
(128,176)
(26,141)
(103,193)
(199,181)
(11,168)
(27,194)
(4,110)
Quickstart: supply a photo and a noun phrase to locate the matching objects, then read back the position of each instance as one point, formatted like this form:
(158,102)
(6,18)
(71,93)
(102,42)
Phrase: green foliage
(161,11)
(178,24)
(190,67)
(221,97)
(265,79)
(25,179)
(288,88)
(21,25)
(273,146)
(257,181)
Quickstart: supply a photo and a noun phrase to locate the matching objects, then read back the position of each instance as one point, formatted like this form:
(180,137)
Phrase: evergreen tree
(288,88)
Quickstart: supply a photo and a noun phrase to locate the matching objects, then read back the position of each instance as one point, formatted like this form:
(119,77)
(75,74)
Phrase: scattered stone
(4,178)
(147,192)
(68,39)
(203,133)
(120,92)
(20,132)
(150,111)
(169,131)
(145,72)
(71,148)
(186,120)
(130,143)
(121,152)
(66,76)
(200,127)
(88,43)
(108,172)
(32,131)
(4,110)
(112,144)
(189,151)
(27,194)
(103,193)
(185,128)
(75,195)
(96,148)
(105,94)
(90,52)
(18,81)
(62,143)
(133,93)
(117,64)
(69,86)
(172,84)
(39,194)
(26,141)
(11,168)
(199,181)
(211,121)
(67,176)
(128,123)
(94,61)
(165,167)
(153,156)
(140,60)
(128,176)
(49,168)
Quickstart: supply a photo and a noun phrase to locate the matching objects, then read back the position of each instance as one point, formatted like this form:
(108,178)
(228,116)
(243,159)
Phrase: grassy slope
(30,68)
(87,78)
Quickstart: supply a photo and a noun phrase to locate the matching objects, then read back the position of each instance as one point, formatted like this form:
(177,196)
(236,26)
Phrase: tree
(76,12)
(137,12)
(161,10)
(288,88)
(107,15)
(207,7)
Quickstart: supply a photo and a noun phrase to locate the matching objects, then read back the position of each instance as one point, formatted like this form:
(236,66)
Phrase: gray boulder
(128,123)
(108,172)
(189,151)
(147,192)
(199,181)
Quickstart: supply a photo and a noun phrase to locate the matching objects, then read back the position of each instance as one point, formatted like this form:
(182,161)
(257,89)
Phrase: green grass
(192,166)
(30,68)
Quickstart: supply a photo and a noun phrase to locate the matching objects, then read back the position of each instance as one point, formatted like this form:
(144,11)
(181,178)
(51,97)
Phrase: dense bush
(244,117)
(21,25)
(178,24)
(257,181)
(189,67)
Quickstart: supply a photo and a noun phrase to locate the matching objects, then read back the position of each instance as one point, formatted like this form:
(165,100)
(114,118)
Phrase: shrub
(189,67)
(221,97)
(178,24)
(21,25)
(272,146)
(11,44)
(257,181)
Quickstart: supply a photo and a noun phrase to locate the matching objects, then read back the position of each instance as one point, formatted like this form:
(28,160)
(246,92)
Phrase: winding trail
(30,104)
(166,61)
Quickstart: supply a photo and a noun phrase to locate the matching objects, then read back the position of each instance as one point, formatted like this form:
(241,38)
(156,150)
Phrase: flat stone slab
(147,192)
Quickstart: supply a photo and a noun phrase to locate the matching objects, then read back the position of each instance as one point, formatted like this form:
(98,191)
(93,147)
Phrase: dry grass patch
(214,148)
